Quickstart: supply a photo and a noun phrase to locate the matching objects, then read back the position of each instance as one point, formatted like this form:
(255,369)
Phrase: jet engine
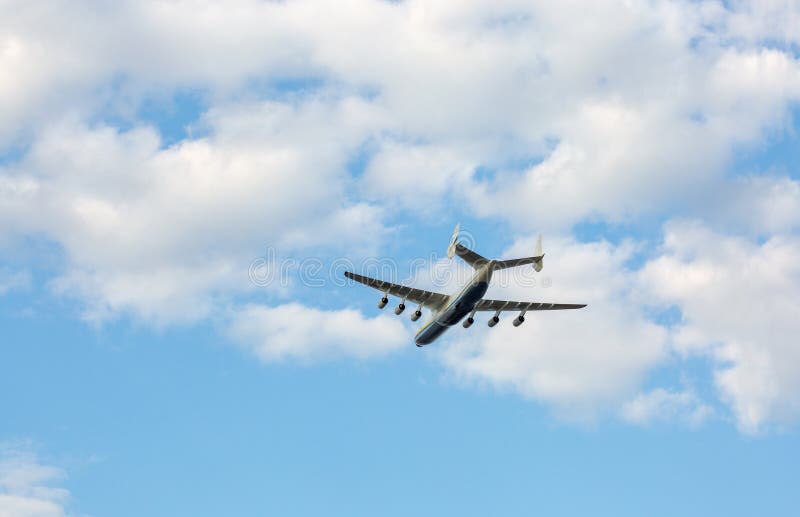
(416,315)
(519,320)
(400,308)
(382,302)
(468,322)
(494,320)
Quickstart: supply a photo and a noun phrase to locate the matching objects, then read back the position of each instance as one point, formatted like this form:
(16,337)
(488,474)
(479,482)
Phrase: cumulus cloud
(29,488)
(773,21)
(582,363)
(295,331)
(760,205)
(508,109)
(623,155)
(160,232)
(739,301)
(662,405)
(90,56)
(416,177)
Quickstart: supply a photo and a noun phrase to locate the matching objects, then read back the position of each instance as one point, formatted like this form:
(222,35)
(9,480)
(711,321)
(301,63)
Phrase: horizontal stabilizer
(469,256)
(537,259)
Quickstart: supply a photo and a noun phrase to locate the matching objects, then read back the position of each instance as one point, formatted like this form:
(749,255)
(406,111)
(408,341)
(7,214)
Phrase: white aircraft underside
(449,310)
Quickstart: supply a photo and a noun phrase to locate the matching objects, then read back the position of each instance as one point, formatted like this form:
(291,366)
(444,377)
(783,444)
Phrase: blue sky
(151,153)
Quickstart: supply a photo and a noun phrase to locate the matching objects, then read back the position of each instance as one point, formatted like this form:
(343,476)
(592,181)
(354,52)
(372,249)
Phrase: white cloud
(77,56)
(634,110)
(620,155)
(583,362)
(739,302)
(29,488)
(774,21)
(295,331)
(761,205)
(661,405)
(416,177)
(160,233)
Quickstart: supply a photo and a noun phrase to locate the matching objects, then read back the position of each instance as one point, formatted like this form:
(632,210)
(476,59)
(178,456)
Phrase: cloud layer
(29,488)
(294,331)
(739,301)
(320,121)
(581,362)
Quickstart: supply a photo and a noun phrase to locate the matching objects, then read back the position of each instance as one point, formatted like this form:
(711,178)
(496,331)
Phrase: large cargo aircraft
(449,310)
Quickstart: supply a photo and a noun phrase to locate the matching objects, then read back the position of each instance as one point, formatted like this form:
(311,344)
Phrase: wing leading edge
(427,299)
(503,305)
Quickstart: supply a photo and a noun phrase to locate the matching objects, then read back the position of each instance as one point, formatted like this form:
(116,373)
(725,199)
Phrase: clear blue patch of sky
(181,423)
(595,229)
(358,162)
(174,116)
(13,153)
(691,373)
(33,251)
(778,153)
(645,231)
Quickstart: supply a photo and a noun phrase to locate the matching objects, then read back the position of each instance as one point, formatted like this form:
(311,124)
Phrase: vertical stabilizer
(538,255)
(451,247)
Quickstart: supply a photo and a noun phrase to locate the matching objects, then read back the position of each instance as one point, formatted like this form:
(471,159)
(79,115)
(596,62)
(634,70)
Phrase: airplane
(447,311)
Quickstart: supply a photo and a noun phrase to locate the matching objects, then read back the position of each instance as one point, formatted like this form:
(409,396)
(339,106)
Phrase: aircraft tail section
(537,260)
(469,256)
(477,261)
(538,254)
(466,254)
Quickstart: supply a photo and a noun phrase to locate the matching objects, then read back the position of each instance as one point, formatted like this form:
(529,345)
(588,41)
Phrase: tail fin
(469,256)
(537,260)
(538,255)
(451,247)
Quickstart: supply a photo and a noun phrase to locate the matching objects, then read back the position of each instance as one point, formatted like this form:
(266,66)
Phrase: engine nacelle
(382,302)
(494,320)
(400,308)
(519,320)
(416,315)
(538,265)
(468,322)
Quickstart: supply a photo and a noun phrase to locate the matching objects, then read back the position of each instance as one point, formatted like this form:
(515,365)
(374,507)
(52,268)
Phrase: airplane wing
(426,298)
(503,305)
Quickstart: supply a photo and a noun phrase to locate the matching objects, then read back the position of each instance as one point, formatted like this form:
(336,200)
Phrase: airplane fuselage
(456,307)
